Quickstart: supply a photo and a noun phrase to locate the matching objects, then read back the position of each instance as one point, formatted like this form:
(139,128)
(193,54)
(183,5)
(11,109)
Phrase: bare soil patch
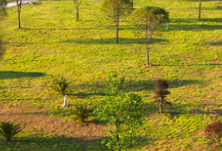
(34,119)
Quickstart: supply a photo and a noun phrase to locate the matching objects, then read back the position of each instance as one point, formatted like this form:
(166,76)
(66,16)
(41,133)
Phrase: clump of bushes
(214,132)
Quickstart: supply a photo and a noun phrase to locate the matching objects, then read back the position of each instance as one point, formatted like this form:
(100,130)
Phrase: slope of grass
(52,44)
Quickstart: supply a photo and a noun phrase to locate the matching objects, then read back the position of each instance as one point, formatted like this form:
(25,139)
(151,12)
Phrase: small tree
(214,132)
(77,4)
(19,8)
(82,113)
(161,92)
(114,83)
(61,86)
(124,116)
(8,130)
(150,19)
(114,9)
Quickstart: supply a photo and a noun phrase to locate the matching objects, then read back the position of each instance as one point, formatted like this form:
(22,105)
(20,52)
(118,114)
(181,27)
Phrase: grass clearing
(52,44)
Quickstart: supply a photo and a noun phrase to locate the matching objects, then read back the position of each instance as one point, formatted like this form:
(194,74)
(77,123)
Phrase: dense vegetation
(52,44)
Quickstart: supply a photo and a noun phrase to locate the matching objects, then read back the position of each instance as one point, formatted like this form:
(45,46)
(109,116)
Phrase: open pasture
(53,44)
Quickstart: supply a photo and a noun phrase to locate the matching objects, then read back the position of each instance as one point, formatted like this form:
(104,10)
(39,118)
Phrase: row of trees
(148,18)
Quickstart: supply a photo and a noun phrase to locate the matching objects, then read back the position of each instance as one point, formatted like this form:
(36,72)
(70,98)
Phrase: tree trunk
(117,134)
(117,30)
(77,13)
(199,17)
(8,139)
(160,108)
(132,4)
(19,6)
(147,46)
(19,25)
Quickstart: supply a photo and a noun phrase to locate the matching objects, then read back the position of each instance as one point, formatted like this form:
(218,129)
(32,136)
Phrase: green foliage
(3,4)
(61,86)
(8,130)
(124,115)
(114,83)
(116,8)
(82,113)
(152,17)
(85,51)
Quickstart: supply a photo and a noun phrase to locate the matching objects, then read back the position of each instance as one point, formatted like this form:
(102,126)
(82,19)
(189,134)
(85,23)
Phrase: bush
(82,113)
(8,130)
(214,132)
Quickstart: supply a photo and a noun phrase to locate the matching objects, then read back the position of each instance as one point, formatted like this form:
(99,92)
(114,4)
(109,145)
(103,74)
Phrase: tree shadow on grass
(129,86)
(48,141)
(15,74)
(218,43)
(195,20)
(87,94)
(148,85)
(195,27)
(177,109)
(112,41)
(184,65)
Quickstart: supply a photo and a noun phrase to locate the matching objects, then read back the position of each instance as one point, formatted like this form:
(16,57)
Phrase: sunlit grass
(52,44)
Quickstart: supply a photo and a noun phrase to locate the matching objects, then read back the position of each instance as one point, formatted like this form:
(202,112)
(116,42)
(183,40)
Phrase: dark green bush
(8,130)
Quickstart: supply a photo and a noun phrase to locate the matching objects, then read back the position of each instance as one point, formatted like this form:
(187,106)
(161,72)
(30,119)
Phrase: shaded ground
(33,119)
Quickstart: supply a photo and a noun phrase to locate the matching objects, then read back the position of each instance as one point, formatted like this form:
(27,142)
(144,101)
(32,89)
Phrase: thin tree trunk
(117,134)
(117,30)
(147,45)
(77,13)
(160,108)
(132,4)
(19,3)
(199,17)
(8,140)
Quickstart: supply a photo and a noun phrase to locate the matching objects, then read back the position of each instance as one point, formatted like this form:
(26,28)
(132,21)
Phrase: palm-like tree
(82,113)
(8,130)
(161,92)
(61,86)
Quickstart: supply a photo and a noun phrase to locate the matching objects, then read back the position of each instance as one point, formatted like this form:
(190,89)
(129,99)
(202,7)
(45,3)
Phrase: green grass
(52,44)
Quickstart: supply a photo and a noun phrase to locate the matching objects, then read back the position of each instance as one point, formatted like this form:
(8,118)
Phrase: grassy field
(52,44)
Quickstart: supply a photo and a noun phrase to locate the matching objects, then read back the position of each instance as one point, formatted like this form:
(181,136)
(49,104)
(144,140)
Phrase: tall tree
(19,7)
(114,9)
(150,19)
(77,4)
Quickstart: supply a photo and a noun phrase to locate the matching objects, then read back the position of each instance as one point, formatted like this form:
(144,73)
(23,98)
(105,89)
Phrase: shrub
(161,92)
(82,113)
(214,132)
(8,130)
(61,86)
